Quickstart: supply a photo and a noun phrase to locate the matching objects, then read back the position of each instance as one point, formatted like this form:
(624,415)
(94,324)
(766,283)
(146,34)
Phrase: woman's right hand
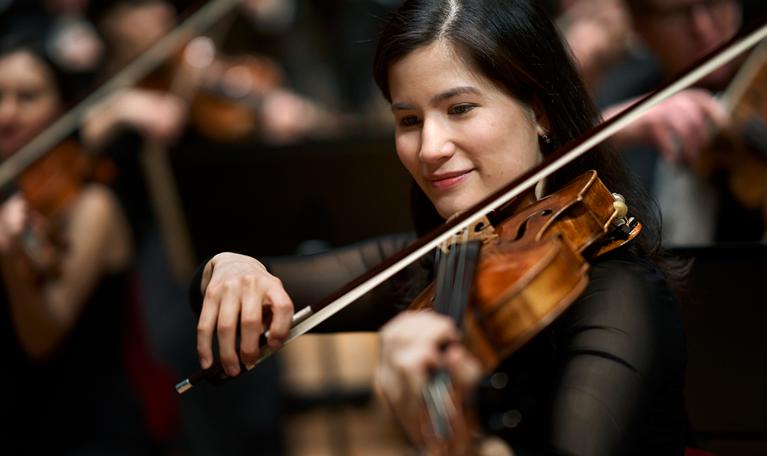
(240,294)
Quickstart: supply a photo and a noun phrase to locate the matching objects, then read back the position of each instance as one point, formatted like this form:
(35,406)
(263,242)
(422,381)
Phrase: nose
(9,109)
(437,146)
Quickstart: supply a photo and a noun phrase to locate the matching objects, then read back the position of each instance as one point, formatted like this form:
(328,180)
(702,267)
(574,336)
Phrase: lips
(444,181)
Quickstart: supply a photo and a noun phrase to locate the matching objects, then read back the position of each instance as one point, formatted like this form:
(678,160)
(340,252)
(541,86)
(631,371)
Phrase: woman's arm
(98,241)
(230,286)
(623,365)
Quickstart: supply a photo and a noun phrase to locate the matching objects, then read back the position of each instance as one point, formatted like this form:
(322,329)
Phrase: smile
(448,180)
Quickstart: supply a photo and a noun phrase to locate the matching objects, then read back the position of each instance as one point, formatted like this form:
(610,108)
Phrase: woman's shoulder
(628,303)
(627,287)
(629,314)
(627,271)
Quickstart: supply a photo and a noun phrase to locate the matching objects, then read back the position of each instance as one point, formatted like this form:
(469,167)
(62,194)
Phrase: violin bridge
(481,230)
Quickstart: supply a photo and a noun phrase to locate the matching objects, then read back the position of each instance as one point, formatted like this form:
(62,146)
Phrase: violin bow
(311,316)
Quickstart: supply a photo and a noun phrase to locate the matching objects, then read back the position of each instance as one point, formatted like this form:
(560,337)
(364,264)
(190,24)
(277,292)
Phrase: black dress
(606,378)
(84,399)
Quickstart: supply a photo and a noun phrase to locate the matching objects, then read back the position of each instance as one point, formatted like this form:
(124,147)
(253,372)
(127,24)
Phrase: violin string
(439,284)
(459,297)
(453,269)
(449,301)
(438,383)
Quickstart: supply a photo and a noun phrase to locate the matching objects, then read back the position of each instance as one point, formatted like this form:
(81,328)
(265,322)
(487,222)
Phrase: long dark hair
(514,44)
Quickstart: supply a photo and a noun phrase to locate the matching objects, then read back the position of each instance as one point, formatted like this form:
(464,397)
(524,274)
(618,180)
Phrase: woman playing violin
(480,92)
(64,332)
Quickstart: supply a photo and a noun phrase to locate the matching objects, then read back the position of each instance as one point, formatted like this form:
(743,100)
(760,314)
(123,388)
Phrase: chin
(445,211)
(449,211)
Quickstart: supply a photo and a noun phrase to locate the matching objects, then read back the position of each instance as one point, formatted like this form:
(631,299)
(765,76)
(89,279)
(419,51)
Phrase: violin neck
(454,278)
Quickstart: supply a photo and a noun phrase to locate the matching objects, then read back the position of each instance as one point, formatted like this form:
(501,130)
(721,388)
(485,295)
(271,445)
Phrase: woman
(480,91)
(66,320)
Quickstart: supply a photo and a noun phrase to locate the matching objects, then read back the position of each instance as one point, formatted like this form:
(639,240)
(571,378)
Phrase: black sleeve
(310,278)
(606,378)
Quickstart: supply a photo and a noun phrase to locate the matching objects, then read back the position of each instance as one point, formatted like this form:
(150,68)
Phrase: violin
(50,186)
(228,106)
(528,263)
(533,263)
(739,153)
(224,93)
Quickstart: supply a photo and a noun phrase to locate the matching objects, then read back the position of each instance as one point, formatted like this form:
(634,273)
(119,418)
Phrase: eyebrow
(398,106)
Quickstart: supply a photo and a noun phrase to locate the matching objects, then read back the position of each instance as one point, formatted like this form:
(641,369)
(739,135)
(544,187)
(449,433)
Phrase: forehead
(432,67)
(25,67)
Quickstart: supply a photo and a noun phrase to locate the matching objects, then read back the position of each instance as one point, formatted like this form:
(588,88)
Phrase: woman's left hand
(414,344)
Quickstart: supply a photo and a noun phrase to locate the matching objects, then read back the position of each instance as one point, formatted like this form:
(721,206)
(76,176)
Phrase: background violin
(738,156)
(223,93)
(50,186)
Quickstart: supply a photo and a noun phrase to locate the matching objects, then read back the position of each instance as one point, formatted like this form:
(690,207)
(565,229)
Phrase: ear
(542,125)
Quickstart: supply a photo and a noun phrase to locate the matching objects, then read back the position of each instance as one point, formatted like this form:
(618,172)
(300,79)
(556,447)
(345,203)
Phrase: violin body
(537,266)
(50,187)
(224,92)
(52,183)
(228,106)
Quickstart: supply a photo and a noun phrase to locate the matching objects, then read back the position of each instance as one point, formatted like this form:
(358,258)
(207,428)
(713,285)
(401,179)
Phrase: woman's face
(459,135)
(133,28)
(28,99)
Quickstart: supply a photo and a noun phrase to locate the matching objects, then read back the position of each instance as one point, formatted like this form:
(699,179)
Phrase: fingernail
(205,363)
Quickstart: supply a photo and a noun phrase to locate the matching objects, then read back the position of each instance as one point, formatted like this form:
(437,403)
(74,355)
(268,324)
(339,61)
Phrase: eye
(461,108)
(29,95)
(409,121)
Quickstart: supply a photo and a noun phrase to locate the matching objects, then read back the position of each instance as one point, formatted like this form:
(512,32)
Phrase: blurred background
(254,126)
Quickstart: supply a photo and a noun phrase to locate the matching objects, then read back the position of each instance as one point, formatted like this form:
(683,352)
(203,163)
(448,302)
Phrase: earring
(546,138)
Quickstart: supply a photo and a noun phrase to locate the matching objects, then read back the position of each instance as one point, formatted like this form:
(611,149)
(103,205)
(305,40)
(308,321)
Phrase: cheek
(509,154)
(407,150)
(38,114)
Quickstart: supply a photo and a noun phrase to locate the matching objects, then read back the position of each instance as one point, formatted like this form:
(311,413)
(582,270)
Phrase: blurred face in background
(131,28)
(680,32)
(29,99)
